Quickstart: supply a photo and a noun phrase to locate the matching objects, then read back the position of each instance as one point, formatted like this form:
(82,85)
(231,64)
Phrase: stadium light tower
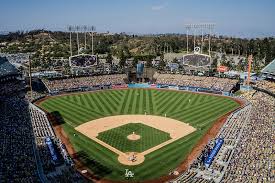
(211,28)
(70,29)
(30,76)
(85,28)
(77,39)
(188,28)
(203,27)
(93,29)
(80,29)
(194,37)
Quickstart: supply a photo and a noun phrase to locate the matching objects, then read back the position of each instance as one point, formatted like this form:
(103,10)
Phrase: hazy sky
(246,18)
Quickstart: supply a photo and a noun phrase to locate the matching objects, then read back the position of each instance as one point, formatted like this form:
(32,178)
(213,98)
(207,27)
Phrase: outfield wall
(142,85)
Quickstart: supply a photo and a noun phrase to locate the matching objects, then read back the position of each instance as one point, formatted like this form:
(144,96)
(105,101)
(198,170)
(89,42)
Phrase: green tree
(175,60)
(149,63)
(214,63)
(162,63)
(267,51)
(122,58)
(109,58)
(135,61)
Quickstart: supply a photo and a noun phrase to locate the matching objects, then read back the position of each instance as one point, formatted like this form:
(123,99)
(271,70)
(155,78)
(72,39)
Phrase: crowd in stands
(230,133)
(35,95)
(54,171)
(247,154)
(18,160)
(11,88)
(218,84)
(41,130)
(253,159)
(24,156)
(267,85)
(73,83)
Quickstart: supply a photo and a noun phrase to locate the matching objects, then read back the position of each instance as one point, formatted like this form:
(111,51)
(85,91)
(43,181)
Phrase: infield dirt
(175,128)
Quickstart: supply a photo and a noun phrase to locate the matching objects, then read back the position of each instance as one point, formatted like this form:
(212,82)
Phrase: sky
(238,18)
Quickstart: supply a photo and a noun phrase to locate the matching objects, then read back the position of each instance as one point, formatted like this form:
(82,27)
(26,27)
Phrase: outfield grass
(117,137)
(200,112)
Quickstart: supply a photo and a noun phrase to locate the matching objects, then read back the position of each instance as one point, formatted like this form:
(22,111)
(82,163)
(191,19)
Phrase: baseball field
(140,125)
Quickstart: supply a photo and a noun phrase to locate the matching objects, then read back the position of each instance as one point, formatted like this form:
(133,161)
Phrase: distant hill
(47,44)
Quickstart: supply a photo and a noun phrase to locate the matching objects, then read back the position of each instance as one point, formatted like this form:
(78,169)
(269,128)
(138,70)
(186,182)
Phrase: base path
(175,128)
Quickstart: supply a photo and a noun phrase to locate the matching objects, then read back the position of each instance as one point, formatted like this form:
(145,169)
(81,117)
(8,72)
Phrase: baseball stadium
(119,128)
(81,105)
(107,128)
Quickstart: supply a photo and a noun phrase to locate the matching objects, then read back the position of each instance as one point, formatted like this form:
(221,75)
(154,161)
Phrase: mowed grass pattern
(198,110)
(117,137)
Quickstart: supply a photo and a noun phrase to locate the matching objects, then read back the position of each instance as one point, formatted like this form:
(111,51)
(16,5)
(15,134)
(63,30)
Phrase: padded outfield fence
(141,85)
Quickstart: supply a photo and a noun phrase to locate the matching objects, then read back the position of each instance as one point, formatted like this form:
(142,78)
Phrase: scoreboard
(83,61)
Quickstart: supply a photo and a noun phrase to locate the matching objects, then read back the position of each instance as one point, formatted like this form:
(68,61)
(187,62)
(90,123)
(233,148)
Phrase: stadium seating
(267,85)
(246,155)
(252,160)
(82,82)
(54,172)
(230,134)
(218,84)
(42,129)
(17,162)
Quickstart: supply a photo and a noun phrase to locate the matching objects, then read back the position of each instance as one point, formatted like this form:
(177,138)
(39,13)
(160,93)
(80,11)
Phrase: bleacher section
(210,83)
(246,155)
(253,158)
(214,173)
(84,83)
(59,170)
(266,85)
(18,160)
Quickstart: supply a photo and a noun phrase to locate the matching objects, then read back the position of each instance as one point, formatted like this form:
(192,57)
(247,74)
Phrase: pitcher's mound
(131,158)
(133,136)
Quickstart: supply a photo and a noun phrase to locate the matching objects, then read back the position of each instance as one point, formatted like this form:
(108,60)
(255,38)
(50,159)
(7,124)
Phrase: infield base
(131,158)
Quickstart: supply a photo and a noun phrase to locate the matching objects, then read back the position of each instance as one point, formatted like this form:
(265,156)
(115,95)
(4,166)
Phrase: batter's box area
(132,137)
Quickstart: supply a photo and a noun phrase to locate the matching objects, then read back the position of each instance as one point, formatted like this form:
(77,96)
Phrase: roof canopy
(270,68)
(6,68)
